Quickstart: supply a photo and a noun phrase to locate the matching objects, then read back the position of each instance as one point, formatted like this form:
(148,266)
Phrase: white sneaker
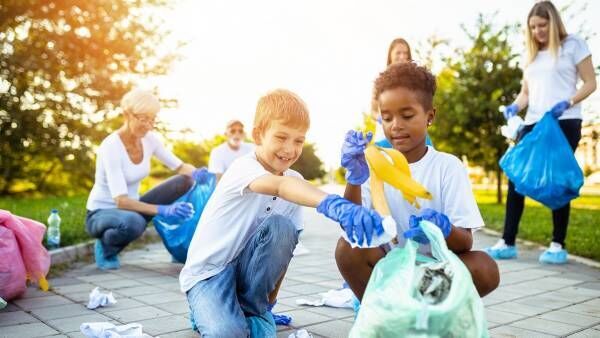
(501,244)
(555,247)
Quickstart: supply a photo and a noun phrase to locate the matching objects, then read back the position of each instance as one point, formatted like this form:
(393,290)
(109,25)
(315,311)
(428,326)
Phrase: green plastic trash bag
(433,299)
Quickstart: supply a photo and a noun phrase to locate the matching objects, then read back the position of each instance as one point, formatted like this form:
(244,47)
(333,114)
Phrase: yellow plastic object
(396,174)
(43,283)
(378,197)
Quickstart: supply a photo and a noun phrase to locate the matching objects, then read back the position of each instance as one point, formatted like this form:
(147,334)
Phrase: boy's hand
(416,233)
(182,211)
(358,222)
(353,156)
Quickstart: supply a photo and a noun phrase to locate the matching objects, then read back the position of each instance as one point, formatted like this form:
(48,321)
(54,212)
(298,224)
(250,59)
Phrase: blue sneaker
(102,262)
(554,257)
(502,251)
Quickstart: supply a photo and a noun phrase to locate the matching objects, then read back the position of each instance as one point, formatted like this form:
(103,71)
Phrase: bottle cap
(54,211)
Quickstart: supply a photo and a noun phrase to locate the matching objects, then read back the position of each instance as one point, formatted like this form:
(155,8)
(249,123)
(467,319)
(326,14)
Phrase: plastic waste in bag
(542,165)
(178,236)
(262,326)
(12,270)
(435,299)
(29,235)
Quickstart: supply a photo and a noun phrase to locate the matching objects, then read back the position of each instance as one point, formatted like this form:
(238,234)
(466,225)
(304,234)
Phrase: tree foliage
(309,164)
(471,88)
(64,66)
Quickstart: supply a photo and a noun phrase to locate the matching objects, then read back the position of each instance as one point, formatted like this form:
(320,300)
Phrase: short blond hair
(140,101)
(281,105)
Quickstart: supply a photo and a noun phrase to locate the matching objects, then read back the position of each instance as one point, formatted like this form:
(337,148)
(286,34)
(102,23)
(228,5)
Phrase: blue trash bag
(177,236)
(262,326)
(542,165)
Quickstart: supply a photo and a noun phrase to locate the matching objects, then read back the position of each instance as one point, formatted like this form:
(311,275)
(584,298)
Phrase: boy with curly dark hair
(404,93)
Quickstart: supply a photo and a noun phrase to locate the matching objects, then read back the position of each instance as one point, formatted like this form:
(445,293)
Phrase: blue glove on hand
(353,157)
(201,175)
(559,108)
(280,319)
(416,233)
(181,211)
(510,111)
(358,222)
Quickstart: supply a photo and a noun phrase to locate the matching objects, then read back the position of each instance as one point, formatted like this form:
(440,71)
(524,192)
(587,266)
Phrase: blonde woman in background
(116,214)
(555,62)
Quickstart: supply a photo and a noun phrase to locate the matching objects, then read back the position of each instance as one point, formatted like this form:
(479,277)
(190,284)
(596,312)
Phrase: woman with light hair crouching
(116,214)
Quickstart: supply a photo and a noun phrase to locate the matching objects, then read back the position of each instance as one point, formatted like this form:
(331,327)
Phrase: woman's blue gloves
(179,211)
(201,175)
(358,222)
(559,108)
(353,157)
(416,233)
(510,111)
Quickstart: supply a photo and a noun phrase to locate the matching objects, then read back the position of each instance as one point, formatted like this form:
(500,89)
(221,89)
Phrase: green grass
(71,211)
(536,223)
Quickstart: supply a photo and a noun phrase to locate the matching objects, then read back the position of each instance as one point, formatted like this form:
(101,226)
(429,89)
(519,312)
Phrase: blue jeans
(221,303)
(118,227)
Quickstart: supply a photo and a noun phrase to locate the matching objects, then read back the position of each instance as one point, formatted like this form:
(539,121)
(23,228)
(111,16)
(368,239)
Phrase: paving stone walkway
(533,300)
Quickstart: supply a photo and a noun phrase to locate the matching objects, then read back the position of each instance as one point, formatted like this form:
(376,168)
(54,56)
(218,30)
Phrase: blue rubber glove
(510,111)
(353,156)
(180,211)
(559,108)
(358,222)
(416,233)
(201,175)
(280,319)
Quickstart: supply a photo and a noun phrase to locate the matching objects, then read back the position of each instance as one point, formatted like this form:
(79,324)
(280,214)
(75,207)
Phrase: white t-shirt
(553,80)
(116,175)
(222,156)
(230,218)
(446,178)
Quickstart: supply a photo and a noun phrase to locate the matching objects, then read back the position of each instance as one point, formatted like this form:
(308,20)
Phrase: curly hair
(410,76)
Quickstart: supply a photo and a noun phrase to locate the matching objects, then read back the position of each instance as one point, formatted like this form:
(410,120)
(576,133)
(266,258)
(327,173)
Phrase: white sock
(500,244)
(555,247)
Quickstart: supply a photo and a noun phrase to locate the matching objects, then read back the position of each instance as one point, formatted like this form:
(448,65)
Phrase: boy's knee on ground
(483,269)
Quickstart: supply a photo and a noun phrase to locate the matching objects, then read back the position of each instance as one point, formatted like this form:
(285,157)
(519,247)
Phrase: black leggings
(515,202)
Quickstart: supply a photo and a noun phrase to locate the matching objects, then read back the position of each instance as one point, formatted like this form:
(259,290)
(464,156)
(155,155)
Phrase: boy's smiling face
(279,146)
(405,121)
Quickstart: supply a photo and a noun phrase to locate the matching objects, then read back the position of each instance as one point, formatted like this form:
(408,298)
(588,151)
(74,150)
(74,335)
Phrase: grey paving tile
(34,292)
(159,326)
(588,333)
(10,308)
(161,297)
(137,314)
(333,329)
(306,289)
(511,331)
(181,334)
(583,309)
(15,317)
(591,285)
(39,302)
(157,281)
(546,326)
(336,313)
(517,308)
(101,277)
(571,318)
(545,302)
(66,289)
(177,307)
(61,311)
(63,281)
(28,330)
(122,304)
(71,324)
(140,290)
(115,284)
(502,317)
(302,318)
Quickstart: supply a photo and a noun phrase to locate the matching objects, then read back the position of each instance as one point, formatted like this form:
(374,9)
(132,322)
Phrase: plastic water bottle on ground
(53,232)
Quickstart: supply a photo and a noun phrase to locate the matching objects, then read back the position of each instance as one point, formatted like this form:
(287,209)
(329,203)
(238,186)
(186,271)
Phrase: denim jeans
(118,227)
(220,304)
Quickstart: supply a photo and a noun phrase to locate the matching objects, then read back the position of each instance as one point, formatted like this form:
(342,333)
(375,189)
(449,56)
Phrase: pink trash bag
(12,270)
(29,235)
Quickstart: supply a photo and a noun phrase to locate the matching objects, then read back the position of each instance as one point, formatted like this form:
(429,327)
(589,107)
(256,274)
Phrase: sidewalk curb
(585,261)
(76,252)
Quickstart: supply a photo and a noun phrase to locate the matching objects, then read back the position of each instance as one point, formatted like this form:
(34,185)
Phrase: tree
(64,66)
(309,164)
(471,88)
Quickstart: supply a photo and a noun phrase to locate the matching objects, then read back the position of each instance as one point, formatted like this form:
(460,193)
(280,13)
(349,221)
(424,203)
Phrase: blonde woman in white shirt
(555,62)
(116,214)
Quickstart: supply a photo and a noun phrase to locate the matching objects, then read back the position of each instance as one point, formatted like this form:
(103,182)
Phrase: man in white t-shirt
(223,155)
